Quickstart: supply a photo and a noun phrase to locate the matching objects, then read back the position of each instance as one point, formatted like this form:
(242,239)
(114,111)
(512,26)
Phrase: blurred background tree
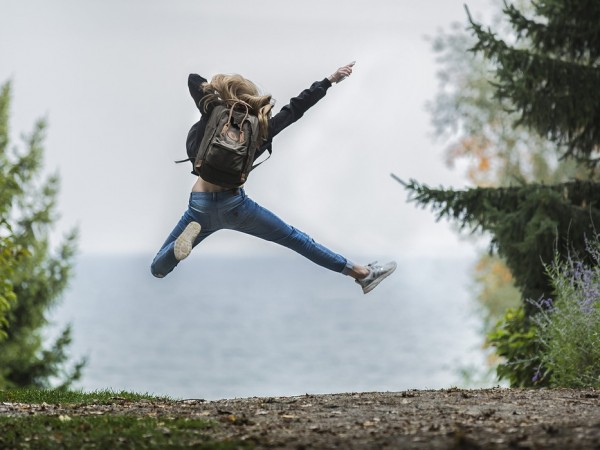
(477,128)
(34,274)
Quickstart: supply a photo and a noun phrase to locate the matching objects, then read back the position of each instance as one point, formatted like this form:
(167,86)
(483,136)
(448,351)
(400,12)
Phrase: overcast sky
(111,78)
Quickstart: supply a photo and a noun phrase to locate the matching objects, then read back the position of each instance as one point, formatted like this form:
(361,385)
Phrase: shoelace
(374,268)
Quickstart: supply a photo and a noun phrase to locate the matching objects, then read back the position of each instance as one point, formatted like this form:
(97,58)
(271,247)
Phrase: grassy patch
(117,431)
(114,432)
(61,396)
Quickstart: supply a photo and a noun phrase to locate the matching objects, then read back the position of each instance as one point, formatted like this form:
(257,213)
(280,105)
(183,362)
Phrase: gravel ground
(438,419)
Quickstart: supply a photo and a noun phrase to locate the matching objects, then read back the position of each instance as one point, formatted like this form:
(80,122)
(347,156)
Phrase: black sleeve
(195,86)
(297,106)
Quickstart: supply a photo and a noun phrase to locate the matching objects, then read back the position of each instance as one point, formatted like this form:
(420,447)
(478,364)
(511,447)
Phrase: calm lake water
(223,328)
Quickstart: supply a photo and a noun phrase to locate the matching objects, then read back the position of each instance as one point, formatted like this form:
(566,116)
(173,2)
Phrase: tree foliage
(535,58)
(527,223)
(7,295)
(514,339)
(27,213)
(523,108)
(7,246)
(478,128)
(551,72)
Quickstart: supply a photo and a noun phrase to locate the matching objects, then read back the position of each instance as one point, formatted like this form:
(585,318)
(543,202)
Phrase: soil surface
(442,419)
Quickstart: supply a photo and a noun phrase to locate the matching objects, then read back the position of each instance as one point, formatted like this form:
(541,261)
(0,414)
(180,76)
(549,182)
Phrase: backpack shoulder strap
(254,166)
(192,151)
(212,128)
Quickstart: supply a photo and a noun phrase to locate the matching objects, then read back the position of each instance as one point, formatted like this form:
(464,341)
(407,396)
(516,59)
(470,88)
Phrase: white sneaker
(185,241)
(377,273)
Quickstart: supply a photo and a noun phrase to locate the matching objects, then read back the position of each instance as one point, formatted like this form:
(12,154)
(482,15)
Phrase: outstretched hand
(342,73)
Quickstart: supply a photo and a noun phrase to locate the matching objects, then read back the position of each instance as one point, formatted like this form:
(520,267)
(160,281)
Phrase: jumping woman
(213,207)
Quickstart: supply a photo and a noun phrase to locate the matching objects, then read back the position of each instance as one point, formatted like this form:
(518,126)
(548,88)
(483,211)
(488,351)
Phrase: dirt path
(455,418)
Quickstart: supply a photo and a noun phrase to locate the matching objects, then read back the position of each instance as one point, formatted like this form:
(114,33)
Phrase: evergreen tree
(476,127)
(544,77)
(531,226)
(545,72)
(551,74)
(27,212)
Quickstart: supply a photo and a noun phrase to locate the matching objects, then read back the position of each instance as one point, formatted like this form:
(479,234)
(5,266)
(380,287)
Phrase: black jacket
(285,117)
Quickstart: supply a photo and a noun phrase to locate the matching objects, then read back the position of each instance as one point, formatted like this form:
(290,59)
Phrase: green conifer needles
(551,72)
(33,273)
(527,224)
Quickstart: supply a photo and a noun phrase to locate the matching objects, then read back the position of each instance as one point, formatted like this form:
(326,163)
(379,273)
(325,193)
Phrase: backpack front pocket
(227,156)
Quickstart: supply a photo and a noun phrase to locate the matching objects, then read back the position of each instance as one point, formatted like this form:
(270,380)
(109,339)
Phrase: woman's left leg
(251,218)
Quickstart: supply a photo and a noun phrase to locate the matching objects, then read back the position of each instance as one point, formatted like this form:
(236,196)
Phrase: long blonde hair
(224,88)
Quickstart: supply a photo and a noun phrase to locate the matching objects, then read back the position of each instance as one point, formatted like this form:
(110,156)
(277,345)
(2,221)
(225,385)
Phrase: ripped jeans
(235,211)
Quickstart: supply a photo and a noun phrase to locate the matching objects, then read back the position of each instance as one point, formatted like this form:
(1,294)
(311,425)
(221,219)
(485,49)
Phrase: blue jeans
(235,211)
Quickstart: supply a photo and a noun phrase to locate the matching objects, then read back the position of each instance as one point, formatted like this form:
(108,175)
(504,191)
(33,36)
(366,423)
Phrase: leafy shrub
(568,327)
(514,339)
(558,345)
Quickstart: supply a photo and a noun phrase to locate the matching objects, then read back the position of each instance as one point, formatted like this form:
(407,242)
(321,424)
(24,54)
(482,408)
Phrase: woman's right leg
(167,259)
(164,261)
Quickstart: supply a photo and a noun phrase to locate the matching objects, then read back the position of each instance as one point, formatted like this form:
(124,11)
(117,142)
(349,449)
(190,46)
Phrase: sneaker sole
(185,241)
(375,283)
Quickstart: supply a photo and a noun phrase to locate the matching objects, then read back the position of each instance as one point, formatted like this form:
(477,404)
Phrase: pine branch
(525,222)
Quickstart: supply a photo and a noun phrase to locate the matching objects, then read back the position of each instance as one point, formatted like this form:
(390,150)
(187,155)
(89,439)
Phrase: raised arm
(342,73)
(297,106)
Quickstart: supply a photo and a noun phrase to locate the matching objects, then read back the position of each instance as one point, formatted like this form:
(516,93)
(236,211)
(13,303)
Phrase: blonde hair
(231,88)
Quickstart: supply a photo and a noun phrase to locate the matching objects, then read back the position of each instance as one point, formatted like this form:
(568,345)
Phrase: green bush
(514,339)
(559,344)
(568,326)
